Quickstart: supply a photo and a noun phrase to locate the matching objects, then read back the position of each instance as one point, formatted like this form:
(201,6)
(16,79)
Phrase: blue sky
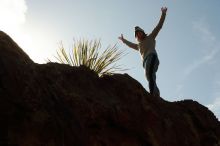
(188,45)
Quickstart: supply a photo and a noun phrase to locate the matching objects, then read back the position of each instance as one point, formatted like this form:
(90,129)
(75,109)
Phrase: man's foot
(156,92)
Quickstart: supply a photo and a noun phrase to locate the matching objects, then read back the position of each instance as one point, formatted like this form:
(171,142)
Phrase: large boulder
(58,105)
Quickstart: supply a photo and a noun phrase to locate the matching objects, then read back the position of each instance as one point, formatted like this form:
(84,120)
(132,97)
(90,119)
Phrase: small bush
(87,53)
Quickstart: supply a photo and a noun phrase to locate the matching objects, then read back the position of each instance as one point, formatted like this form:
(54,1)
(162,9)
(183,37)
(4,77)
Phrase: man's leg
(151,69)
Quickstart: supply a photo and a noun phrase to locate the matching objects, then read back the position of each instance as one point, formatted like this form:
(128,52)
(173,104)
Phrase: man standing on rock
(146,46)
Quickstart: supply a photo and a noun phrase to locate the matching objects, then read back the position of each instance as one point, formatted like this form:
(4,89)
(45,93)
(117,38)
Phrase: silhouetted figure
(146,46)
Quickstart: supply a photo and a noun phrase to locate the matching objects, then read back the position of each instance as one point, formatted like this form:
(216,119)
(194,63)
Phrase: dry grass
(84,52)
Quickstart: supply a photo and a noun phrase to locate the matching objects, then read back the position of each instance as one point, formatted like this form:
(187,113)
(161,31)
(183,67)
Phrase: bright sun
(13,17)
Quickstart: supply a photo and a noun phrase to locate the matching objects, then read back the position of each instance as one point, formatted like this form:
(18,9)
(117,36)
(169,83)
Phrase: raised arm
(129,44)
(160,24)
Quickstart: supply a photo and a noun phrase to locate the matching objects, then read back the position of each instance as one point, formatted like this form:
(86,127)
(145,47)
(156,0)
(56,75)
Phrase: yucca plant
(84,52)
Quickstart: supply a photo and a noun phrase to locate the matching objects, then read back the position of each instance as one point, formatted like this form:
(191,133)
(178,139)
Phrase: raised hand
(164,9)
(121,37)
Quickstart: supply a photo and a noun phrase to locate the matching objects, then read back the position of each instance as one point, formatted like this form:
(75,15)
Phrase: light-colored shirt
(148,44)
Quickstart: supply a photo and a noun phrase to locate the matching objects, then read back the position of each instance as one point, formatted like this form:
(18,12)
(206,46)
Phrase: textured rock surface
(58,105)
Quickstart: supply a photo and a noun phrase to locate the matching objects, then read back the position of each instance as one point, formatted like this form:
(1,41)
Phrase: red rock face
(59,105)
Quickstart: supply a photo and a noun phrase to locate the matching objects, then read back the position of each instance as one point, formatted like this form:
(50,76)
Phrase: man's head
(139,33)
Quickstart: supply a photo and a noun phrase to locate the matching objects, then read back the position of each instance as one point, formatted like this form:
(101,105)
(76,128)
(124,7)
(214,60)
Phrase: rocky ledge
(58,105)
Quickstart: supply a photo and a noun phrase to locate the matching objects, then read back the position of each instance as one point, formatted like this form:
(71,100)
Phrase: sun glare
(12,13)
(13,18)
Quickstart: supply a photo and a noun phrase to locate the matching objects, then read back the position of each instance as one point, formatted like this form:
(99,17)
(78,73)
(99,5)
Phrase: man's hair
(138,29)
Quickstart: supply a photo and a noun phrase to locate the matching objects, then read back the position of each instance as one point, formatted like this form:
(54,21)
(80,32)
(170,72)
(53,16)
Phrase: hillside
(58,105)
